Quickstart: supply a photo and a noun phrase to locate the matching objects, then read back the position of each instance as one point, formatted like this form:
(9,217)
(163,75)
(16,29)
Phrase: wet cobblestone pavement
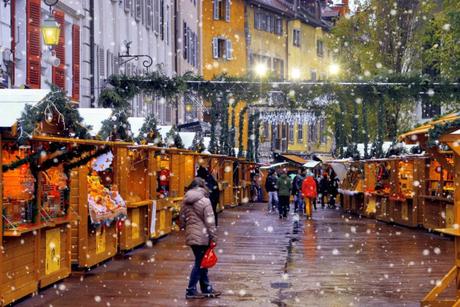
(334,260)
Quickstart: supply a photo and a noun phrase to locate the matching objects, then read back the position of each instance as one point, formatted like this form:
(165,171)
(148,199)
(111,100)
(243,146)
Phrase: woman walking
(197,217)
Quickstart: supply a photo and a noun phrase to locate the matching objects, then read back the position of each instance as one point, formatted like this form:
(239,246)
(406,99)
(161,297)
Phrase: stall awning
(274,165)
(311,164)
(340,170)
(13,102)
(294,158)
(423,129)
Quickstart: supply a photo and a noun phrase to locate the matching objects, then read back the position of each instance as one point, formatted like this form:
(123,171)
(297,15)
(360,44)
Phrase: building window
(266,131)
(322,129)
(156,16)
(296,37)
(299,133)
(291,133)
(312,133)
(138,10)
(320,48)
(221,9)
(313,75)
(268,22)
(278,68)
(278,26)
(222,48)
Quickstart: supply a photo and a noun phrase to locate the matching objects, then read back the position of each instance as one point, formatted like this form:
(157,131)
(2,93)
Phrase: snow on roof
(136,124)
(187,138)
(13,102)
(94,117)
(164,130)
(206,141)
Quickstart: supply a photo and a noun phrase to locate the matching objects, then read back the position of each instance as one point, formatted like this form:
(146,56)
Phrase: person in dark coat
(297,191)
(212,186)
(272,191)
(333,190)
(323,189)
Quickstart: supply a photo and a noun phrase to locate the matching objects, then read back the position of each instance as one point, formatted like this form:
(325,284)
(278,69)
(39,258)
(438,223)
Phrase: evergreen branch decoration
(439,130)
(149,133)
(241,131)
(56,106)
(173,139)
(198,143)
(117,127)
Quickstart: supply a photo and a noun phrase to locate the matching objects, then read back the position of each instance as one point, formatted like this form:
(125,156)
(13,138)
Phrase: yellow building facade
(223,45)
(307,55)
(267,27)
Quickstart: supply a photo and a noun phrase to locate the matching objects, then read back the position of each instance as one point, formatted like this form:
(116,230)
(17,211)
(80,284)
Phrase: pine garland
(173,138)
(241,131)
(232,134)
(116,127)
(439,130)
(257,122)
(56,106)
(198,143)
(250,144)
(149,133)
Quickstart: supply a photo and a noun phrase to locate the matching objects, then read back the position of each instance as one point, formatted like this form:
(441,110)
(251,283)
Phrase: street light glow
(261,69)
(334,69)
(295,74)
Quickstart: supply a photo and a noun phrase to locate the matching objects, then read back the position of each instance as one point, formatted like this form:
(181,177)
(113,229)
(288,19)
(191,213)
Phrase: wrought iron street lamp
(50,28)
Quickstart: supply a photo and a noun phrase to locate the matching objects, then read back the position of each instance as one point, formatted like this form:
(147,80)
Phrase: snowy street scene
(229,153)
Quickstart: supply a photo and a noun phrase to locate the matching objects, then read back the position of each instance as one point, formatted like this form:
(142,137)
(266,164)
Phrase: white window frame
(228,5)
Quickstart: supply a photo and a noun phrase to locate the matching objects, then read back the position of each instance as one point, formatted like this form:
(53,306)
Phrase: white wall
(5,41)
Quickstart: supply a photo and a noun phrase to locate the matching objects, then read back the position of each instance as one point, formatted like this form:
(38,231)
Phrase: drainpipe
(91,54)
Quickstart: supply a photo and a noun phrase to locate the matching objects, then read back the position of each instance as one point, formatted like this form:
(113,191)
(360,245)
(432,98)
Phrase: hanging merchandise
(105,202)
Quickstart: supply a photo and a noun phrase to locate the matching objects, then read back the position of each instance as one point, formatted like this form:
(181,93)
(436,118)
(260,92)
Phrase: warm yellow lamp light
(50,31)
(261,69)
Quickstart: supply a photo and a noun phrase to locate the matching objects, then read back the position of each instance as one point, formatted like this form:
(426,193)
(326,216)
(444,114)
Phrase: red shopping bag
(210,258)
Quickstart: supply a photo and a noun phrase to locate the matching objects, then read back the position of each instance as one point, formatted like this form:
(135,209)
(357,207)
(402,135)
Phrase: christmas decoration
(149,133)
(198,143)
(55,108)
(116,127)
(173,138)
(240,131)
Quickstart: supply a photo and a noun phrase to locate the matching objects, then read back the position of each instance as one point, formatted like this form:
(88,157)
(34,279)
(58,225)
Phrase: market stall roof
(311,164)
(423,129)
(94,117)
(294,158)
(13,102)
(273,165)
(136,124)
(187,137)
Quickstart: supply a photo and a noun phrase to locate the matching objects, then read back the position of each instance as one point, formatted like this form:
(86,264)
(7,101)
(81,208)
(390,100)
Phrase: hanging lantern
(50,31)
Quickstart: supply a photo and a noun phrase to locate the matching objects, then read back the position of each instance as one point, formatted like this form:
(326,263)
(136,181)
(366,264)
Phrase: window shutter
(127,5)
(228,3)
(59,71)
(156,16)
(76,62)
(149,13)
(33,12)
(229,49)
(185,40)
(190,45)
(215,48)
(101,63)
(138,10)
(216,9)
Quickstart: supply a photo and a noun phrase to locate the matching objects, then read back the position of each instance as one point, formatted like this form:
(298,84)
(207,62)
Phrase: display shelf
(438,198)
(449,231)
(143,203)
(21,230)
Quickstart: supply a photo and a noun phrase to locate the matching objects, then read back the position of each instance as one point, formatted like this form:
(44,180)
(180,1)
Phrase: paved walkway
(334,260)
